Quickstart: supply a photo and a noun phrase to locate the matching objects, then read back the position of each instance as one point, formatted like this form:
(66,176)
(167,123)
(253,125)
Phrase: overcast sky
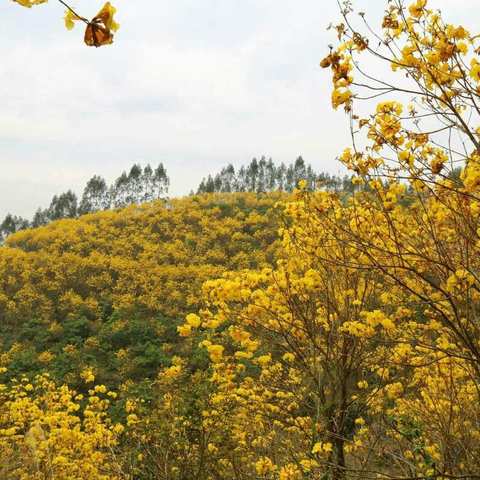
(195,84)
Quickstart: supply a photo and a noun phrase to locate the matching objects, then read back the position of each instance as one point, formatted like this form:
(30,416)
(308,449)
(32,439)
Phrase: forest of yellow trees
(322,335)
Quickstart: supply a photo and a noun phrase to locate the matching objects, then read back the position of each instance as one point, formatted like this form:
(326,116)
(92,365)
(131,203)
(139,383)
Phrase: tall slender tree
(96,196)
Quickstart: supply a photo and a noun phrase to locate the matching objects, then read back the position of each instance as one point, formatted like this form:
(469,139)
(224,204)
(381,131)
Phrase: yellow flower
(288,357)
(290,472)
(100,389)
(106,16)
(302,184)
(362,384)
(132,419)
(264,466)
(417,9)
(29,3)
(70,18)
(87,375)
(173,371)
(184,330)
(475,70)
(193,320)
(264,360)
(46,357)
(340,97)
(215,352)
(320,447)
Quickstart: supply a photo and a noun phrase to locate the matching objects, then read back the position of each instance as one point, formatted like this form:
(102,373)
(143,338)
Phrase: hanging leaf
(100,29)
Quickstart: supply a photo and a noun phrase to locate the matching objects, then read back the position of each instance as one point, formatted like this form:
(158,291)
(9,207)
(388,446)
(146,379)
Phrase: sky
(195,84)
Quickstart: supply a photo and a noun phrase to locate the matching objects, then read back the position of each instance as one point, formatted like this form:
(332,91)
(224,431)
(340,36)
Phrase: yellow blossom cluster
(47,431)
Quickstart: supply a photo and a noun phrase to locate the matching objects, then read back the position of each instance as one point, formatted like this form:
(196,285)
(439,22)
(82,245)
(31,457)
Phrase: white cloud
(195,84)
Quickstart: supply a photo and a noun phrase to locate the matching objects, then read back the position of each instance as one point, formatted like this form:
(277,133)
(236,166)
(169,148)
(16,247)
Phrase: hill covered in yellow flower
(321,335)
(107,290)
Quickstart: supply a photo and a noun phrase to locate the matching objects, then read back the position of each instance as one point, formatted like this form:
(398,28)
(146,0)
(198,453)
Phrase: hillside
(108,289)
(330,332)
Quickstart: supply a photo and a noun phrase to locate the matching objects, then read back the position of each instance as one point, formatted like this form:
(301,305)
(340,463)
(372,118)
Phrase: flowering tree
(419,226)
(358,355)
